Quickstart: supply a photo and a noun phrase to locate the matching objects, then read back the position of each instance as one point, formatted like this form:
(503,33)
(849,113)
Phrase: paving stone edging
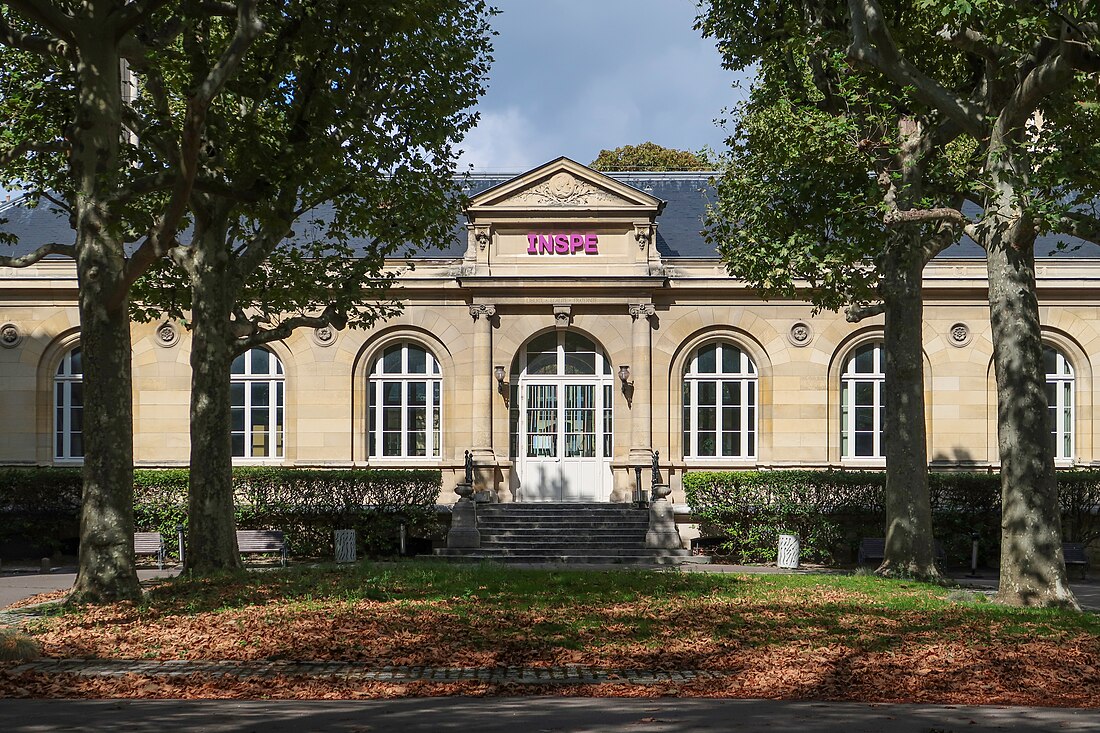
(567,675)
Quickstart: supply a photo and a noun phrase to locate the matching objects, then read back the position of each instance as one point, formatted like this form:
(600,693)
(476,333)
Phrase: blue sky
(573,76)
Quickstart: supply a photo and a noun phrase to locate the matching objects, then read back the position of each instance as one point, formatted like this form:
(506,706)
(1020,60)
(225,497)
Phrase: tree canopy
(649,156)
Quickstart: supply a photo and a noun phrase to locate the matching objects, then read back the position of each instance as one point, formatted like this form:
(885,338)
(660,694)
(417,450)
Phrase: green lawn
(817,636)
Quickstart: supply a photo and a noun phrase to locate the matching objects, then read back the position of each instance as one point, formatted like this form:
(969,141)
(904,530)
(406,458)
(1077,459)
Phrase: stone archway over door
(563,422)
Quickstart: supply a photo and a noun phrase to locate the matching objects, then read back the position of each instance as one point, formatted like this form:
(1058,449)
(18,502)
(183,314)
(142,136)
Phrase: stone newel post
(662,533)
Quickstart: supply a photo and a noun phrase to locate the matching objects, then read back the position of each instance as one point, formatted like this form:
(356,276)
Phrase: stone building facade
(577,323)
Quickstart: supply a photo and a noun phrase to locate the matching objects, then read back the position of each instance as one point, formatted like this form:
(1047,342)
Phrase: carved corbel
(643,234)
(563,316)
(481,236)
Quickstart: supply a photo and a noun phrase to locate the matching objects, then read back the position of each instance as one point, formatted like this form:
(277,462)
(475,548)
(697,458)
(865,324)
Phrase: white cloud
(503,140)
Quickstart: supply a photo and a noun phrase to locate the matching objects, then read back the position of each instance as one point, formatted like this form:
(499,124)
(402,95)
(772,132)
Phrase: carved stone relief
(800,334)
(324,336)
(10,336)
(959,335)
(563,189)
(168,335)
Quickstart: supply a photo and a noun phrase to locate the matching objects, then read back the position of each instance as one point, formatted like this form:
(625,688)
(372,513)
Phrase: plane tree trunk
(212,539)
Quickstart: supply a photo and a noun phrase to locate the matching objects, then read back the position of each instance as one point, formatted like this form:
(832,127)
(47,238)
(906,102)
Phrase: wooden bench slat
(150,543)
(262,540)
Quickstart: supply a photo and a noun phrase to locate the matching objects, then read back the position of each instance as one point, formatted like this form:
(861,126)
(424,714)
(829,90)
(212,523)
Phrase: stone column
(641,426)
(482,391)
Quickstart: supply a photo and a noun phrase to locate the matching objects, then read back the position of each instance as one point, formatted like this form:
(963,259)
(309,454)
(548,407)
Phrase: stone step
(638,542)
(611,551)
(560,514)
(640,557)
(549,534)
(575,526)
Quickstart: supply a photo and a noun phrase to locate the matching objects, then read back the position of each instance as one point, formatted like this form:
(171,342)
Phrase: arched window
(1059,378)
(68,403)
(861,410)
(257,399)
(404,404)
(720,399)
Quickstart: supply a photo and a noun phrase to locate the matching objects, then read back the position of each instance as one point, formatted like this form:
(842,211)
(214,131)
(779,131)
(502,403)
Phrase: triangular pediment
(564,184)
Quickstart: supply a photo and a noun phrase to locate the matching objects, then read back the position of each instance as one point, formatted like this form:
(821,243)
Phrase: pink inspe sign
(562,244)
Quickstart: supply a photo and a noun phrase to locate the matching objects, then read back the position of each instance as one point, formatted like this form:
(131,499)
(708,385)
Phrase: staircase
(565,533)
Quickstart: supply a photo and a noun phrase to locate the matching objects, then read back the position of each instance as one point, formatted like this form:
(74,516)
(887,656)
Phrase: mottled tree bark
(1033,571)
(909,545)
(212,541)
(106,561)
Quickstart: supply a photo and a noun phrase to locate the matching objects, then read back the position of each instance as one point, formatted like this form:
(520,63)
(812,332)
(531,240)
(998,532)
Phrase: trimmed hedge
(307,504)
(831,510)
(39,509)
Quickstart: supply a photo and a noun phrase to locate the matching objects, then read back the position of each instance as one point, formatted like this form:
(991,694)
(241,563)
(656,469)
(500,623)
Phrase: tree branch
(22,149)
(47,15)
(872,45)
(133,13)
(972,41)
(923,216)
(1080,225)
(37,44)
(1046,78)
(856,313)
(42,252)
(258,337)
(159,241)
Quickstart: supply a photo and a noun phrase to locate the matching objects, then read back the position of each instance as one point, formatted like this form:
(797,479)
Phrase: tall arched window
(404,404)
(1059,378)
(861,410)
(257,398)
(720,399)
(68,403)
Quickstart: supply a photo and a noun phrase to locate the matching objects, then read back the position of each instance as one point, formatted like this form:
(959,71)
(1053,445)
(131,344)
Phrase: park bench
(874,548)
(255,541)
(150,543)
(1074,554)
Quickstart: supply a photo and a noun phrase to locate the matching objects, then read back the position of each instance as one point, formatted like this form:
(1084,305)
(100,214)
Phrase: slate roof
(678,233)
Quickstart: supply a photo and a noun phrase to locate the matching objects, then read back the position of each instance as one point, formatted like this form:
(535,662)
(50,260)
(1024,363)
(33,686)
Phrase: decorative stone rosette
(168,335)
(324,336)
(800,334)
(10,335)
(959,335)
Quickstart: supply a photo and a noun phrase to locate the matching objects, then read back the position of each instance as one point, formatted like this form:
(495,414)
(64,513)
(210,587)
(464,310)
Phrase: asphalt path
(529,715)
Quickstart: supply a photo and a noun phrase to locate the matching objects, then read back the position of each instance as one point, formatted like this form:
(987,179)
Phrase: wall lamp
(624,377)
(498,373)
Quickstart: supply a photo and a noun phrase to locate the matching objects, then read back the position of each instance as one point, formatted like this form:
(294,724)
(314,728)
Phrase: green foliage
(832,510)
(651,157)
(307,504)
(333,149)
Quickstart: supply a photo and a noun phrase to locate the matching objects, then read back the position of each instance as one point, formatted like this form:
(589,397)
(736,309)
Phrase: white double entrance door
(565,442)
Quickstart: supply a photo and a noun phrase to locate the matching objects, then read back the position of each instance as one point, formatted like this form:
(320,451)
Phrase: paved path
(530,715)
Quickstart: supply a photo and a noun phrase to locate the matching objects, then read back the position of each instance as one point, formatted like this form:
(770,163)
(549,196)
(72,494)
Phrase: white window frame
(848,383)
(275,378)
(1063,380)
(63,408)
(748,377)
(432,378)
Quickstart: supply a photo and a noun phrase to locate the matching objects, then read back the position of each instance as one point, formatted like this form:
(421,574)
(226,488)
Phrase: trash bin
(788,551)
(344,539)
